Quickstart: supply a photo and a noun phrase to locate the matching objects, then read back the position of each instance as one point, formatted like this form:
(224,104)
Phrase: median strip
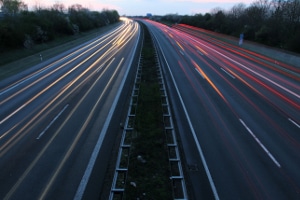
(148,164)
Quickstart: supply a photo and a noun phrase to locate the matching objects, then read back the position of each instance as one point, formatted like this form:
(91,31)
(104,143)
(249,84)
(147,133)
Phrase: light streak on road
(52,72)
(280,67)
(80,132)
(111,49)
(264,78)
(209,80)
(96,66)
(243,106)
(85,49)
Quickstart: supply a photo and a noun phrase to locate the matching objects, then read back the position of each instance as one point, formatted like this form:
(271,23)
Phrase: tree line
(20,27)
(271,22)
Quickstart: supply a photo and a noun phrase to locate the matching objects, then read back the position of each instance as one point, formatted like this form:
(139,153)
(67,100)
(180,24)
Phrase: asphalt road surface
(237,115)
(55,117)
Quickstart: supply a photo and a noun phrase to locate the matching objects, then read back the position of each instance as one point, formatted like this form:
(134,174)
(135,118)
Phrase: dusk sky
(142,7)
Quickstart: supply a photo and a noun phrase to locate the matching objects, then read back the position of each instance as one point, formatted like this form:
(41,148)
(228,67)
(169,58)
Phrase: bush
(26,28)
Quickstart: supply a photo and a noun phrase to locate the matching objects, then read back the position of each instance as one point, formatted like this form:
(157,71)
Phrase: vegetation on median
(149,172)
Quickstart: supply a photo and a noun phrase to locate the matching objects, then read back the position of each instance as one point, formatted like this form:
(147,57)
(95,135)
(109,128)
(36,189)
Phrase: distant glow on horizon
(142,7)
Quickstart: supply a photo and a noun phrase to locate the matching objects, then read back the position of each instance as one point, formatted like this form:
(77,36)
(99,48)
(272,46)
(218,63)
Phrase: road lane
(65,69)
(65,107)
(242,123)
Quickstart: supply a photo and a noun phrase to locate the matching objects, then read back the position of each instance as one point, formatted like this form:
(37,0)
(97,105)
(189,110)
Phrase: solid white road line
(260,144)
(210,179)
(90,166)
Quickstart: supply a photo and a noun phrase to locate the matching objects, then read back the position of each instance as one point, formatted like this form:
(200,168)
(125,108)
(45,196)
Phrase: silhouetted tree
(21,27)
(272,22)
(12,7)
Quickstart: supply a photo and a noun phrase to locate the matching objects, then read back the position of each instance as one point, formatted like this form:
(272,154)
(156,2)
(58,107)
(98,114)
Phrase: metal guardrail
(177,176)
(119,180)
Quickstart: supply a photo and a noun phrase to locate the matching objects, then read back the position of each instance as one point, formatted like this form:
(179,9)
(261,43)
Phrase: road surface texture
(56,118)
(237,117)
(236,113)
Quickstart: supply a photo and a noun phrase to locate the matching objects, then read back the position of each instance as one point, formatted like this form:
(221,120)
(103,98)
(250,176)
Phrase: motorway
(55,118)
(237,115)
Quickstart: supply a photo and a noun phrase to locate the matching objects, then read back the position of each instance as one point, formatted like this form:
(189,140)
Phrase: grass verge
(15,61)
